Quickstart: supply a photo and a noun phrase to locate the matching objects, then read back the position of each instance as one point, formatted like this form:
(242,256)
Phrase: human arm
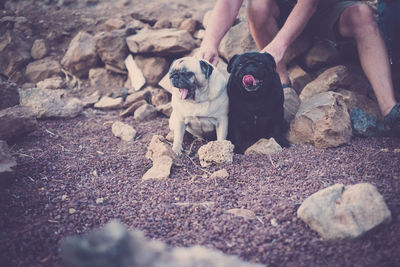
(293,27)
(222,18)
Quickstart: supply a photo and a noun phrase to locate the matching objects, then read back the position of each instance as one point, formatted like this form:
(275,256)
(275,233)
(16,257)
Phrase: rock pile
(128,58)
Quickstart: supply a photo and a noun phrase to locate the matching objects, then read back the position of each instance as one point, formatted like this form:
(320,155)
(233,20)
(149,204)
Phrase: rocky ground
(74,175)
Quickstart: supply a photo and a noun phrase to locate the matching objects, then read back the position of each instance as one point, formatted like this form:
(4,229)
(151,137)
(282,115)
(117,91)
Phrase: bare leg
(262,17)
(357,22)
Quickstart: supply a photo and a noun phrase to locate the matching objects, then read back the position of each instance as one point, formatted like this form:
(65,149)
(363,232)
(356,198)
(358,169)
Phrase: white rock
(109,103)
(264,147)
(245,213)
(161,169)
(339,211)
(123,131)
(216,152)
(220,174)
(135,74)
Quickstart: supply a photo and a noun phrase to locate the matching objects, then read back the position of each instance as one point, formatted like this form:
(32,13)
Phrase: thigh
(324,24)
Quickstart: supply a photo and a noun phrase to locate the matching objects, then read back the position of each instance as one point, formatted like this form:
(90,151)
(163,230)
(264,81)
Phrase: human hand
(276,51)
(209,54)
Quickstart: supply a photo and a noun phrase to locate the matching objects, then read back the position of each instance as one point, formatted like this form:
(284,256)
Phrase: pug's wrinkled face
(252,70)
(189,75)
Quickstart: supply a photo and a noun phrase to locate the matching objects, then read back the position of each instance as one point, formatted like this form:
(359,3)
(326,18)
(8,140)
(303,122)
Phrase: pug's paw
(177,150)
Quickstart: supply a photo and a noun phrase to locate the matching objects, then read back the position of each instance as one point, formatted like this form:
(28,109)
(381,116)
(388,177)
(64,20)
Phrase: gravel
(74,175)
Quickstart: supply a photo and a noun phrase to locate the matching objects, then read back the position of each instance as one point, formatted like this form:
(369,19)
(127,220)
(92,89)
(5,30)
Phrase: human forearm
(296,22)
(222,18)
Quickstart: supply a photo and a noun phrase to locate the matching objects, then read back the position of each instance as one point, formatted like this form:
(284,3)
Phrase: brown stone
(145,112)
(114,24)
(323,121)
(39,49)
(131,109)
(16,122)
(81,55)
(9,94)
(160,97)
(153,68)
(162,42)
(41,69)
(189,25)
(323,53)
(112,49)
(16,52)
(299,78)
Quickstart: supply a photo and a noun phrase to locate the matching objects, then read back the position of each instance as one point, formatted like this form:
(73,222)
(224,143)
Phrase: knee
(359,19)
(259,12)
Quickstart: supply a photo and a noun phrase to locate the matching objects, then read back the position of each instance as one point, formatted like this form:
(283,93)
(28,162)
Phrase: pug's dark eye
(188,75)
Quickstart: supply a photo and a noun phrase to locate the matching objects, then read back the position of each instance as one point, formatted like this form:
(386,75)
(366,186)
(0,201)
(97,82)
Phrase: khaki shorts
(324,22)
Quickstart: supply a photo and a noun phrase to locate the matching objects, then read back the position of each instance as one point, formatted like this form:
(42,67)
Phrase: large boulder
(112,50)
(16,122)
(237,41)
(161,42)
(9,94)
(323,121)
(336,78)
(7,165)
(81,55)
(340,212)
(47,103)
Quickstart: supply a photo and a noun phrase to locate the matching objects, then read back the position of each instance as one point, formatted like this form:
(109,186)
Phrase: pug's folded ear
(271,58)
(206,68)
(230,63)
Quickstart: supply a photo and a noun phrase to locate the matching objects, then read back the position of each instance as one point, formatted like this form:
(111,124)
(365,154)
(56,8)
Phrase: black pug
(255,100)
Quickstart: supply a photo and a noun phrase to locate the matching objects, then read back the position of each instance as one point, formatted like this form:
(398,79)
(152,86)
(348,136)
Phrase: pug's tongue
(183,94)
(249,80)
